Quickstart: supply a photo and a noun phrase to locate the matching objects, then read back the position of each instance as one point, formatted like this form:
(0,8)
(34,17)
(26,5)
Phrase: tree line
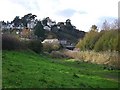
(105,40)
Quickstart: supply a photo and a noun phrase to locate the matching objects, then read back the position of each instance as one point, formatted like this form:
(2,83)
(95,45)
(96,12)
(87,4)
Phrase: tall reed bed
(106,58)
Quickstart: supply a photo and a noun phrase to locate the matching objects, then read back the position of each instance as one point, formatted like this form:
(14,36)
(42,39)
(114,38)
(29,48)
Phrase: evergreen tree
(27,18)
(94,28)
(68,24)
(39,31)
(17,21)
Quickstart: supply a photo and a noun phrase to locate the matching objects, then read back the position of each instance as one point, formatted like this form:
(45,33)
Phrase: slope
(25,69)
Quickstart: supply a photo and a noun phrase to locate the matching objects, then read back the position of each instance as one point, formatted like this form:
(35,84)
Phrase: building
(63,42)
(51,41)
(31,24)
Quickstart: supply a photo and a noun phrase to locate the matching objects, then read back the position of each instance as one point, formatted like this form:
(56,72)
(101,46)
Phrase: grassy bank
(30,70)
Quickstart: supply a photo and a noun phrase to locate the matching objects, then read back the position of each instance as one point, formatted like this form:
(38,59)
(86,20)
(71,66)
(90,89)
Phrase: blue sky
(83,13)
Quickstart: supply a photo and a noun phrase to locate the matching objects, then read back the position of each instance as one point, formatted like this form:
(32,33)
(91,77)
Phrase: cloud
(66,12)
(83,13)
(83,22)
(69,12)
(27,4)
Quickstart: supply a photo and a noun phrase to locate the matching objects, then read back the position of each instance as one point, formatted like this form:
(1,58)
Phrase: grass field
(25,69)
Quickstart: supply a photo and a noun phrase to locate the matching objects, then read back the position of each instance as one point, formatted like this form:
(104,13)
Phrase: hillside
(61,30)
(25,69)
(31,28)
(72,36)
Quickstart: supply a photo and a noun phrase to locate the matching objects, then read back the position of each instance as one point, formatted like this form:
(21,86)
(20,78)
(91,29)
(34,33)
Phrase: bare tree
(115,24)
(106,25)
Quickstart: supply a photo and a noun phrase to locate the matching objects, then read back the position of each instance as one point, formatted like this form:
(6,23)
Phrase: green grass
(25,69)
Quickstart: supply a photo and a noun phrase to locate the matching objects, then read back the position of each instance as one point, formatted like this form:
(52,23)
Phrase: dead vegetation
(106,58)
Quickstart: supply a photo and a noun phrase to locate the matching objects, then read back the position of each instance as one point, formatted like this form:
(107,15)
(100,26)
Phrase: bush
(88,42)
(49,47)
(100,41)
(34,45)
(108,41)
(58,54)
(11,43)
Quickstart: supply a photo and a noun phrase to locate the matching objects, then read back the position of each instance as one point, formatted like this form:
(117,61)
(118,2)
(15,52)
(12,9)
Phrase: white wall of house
(51,41)
(31,25)
(47,28)
(63,41)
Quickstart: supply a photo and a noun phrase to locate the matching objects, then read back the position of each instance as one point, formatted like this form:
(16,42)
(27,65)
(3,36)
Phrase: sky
(82,13)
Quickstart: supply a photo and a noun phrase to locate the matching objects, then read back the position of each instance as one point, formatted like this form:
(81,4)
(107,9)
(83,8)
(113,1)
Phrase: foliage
(88,42)
(68,24)
(17,21)
(26,33)
(27,18)
(48,47)
(66,31)
(50,35)
(61,30)
(45,21)
(35,45)
(108,41)
(39,31)
(94,28)
(58,54)
(100,41)
(11,43)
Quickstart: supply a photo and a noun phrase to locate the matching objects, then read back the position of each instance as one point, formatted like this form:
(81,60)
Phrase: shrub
(11,43)
(34,45)
(58,54)
(48,47)
(100,41)
(88,42)
(108,41)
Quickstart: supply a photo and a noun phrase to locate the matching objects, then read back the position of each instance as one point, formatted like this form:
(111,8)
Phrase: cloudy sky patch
(83,13)
(66,13)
